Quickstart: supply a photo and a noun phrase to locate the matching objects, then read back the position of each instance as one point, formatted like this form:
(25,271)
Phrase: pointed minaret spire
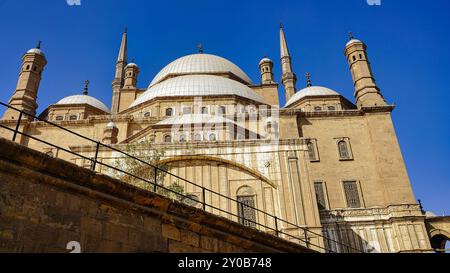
(289,79)
(120,72)
(39,43)
(283,44)
(86,87)
(123,48)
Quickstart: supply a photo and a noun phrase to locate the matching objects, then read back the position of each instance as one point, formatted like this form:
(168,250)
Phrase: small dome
(265,60)
(132,65)
(352,41)
(200,64)
(111,125)
(311,92)
(84,99)
(197,86)
(36,51)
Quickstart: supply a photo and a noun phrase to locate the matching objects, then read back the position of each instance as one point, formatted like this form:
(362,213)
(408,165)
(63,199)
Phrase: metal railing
(279,232)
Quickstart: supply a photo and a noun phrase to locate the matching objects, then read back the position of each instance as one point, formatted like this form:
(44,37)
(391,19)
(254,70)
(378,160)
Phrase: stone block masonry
(45,203)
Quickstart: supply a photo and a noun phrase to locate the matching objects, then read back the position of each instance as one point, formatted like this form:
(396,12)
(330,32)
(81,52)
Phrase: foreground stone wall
(45,203)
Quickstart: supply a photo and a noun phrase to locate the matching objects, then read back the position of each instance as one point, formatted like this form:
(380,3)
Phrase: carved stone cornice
(371,214)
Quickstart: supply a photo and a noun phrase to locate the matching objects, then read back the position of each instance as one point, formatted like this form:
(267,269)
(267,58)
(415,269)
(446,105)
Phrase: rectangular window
(352,194)
(246,211)
(320,195)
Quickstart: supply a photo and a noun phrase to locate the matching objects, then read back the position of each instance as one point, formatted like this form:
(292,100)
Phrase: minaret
(118,81)
(266,68)
(289,79)
(367,93)
(131,74)
(25,95)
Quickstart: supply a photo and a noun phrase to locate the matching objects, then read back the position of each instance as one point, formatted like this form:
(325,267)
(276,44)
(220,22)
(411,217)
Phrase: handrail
(94,162)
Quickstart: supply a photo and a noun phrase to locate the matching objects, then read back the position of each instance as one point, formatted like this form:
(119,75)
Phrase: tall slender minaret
(119,78)
(289,79)
(367,93)
(25,95)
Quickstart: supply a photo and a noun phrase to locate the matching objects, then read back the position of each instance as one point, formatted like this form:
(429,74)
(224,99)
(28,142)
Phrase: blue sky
(408,46)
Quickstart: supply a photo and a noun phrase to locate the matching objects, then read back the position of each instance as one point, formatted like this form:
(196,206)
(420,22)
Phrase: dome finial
(86,87)
(350,34)
(308,79)
(200,48)
(38,46)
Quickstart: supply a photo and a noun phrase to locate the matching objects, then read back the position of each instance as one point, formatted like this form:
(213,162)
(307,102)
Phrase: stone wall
(45,203)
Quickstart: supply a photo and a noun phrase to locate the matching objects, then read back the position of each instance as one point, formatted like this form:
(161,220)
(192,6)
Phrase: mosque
(321,161)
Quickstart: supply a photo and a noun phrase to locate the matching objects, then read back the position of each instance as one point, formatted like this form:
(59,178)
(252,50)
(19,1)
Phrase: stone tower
(289,79)
(367,93)
(25,95)
(266,68)
(131,74)
(118,81)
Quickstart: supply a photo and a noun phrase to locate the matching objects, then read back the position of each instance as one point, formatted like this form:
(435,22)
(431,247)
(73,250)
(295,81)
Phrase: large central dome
(200,64)
(198,85)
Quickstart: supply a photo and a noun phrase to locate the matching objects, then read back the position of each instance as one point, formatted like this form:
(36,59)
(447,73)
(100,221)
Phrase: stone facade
(46,203)
(321,162)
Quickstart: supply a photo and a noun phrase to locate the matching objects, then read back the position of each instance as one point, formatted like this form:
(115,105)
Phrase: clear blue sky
(408,43)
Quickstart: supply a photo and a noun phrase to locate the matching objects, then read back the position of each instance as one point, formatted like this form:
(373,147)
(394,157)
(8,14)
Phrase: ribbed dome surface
(84,99)
(198,86)
(200,64)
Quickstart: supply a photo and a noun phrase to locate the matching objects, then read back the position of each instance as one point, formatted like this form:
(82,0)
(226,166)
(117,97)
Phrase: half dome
(311,91)
(84,99)
(200,64)
(198,86)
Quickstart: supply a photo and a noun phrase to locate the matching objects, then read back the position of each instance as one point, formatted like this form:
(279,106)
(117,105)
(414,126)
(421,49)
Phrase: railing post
(155,180)
(94,163)
(17,126)
(306,238)
(204,198)
(276,226)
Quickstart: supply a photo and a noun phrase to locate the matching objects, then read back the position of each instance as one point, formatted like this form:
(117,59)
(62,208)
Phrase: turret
(131,74)
(367,93)
(266,68)
(25,95)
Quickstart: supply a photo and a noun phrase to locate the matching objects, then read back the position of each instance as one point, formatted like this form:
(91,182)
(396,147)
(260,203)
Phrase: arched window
(246,206)
(169,112)
(182,138)
(212,137)
(222,110)
(317,108)
(147,114)
(343,150)
(73,117)
(331,108)
(311,151)
(197,137)
(168,139)
(50,154)
(59,118)
(204,110)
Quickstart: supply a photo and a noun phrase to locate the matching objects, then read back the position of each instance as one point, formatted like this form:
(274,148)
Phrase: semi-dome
(84,99)
(198,86)
(200,64)
(311,91)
